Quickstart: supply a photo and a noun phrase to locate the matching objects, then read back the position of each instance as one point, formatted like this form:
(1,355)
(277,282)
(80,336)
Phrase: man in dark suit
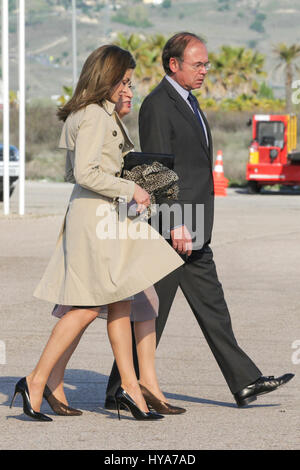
(171,122)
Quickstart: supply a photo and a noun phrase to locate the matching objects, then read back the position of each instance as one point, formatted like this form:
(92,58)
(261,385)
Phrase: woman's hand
(141,197)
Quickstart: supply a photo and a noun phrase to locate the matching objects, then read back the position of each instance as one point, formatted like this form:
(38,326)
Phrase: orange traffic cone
(220,182)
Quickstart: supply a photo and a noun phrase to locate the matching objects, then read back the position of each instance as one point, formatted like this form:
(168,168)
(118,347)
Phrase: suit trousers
(199,283)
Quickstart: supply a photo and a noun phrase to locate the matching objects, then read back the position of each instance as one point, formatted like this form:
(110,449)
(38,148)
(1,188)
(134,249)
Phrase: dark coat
(168,125)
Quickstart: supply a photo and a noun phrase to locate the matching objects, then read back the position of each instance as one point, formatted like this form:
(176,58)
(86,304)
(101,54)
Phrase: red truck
(273,158)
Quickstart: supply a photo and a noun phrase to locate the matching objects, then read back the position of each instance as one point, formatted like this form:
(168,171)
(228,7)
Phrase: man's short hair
(175,47)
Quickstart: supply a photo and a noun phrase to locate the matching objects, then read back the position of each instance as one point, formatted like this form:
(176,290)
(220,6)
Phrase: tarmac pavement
(256,246)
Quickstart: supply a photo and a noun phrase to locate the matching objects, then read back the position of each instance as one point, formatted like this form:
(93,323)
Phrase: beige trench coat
(100,258)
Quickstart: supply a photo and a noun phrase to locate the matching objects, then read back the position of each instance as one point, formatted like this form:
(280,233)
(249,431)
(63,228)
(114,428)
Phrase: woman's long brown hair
(102,71)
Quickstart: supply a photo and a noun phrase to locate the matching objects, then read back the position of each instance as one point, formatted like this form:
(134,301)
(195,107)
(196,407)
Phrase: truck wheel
(253,187)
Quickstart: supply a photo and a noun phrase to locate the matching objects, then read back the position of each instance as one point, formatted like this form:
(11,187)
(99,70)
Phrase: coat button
(120,146)
(118,174)
(114,133)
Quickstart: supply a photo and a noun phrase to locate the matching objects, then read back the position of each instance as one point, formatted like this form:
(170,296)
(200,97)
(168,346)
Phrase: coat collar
(108,106)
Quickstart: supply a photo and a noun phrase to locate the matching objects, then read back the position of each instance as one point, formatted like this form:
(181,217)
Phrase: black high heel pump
(160,406)
(22,388)
(122,397)
(57,406)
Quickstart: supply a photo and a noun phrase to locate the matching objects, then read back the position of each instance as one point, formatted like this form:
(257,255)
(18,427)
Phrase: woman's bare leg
(120,336)
(62,336)
(145,337)
(56,378)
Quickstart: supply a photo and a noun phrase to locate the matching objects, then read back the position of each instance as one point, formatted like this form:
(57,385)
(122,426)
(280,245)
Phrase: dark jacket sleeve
(154,127)
(155,133)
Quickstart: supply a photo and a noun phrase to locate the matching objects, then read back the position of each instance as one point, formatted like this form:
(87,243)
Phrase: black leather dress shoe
(110,404)
(261,386)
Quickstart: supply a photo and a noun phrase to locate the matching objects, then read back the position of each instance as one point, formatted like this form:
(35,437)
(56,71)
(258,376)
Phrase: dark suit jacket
(168,125)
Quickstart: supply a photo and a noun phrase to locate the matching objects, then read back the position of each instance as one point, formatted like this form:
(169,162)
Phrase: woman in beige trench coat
(99,259)
(144,308)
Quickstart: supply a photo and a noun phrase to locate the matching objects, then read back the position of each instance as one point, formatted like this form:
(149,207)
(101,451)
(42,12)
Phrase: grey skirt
(144,306)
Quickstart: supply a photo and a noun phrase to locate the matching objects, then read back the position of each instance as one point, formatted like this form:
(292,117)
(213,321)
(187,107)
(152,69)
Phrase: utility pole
(5,75)
(74,44)
(22,107)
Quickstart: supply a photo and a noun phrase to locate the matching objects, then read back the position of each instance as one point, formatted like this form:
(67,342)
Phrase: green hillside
(250,23)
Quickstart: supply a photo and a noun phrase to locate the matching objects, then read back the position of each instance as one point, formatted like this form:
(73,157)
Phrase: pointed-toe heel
(160,406)
(22,388)
(122,397)
(57,406)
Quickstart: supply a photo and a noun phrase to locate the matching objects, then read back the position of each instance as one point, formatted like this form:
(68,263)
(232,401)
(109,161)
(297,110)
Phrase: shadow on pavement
(86,390)
(205,401)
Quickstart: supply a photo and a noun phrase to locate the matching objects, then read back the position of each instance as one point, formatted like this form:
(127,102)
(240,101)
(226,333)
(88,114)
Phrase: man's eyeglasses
(198,65)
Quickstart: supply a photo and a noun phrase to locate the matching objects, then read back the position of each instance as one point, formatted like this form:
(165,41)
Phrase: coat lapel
(124,130)
(109,107)
(184,109)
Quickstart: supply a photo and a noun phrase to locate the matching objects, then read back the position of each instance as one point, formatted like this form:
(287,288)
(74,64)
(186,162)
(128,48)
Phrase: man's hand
(181,240)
